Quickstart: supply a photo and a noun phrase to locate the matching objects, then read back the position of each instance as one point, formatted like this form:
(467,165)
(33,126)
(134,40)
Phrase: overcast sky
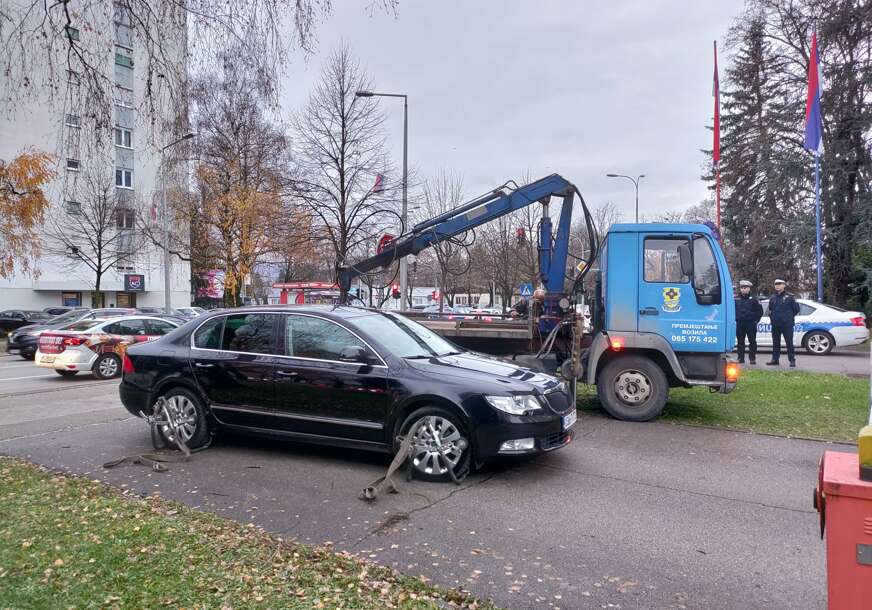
(580,88)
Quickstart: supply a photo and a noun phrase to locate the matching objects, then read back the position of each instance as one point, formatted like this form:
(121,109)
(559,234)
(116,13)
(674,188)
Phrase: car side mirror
(686,260)
(353,353)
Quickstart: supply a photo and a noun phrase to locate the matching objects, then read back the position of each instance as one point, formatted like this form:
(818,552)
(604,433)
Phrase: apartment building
(108,177)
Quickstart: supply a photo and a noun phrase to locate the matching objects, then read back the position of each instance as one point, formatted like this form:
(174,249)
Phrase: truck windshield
(706,279)
(403,337)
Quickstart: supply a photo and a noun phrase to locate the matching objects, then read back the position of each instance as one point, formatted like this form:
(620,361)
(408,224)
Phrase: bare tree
(339,156)
(441,193)
(96,231)
(64,37)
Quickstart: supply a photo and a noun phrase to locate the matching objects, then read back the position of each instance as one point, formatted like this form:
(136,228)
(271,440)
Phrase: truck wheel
(632,388)
(818,342)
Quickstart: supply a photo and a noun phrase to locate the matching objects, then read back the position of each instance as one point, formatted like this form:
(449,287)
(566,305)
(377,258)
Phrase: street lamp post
(404,269)
(166,221)
(635,183)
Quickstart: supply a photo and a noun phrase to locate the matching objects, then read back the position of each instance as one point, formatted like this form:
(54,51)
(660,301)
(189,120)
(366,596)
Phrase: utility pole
(166,222)
(635,183)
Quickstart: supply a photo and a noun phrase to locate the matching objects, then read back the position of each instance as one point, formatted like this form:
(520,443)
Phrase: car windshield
(83,325)
(64,318)
(404,338)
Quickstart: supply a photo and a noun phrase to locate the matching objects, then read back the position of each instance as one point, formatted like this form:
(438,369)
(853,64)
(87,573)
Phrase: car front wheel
(440,442)
(632,388)
(107,366)
(818,342)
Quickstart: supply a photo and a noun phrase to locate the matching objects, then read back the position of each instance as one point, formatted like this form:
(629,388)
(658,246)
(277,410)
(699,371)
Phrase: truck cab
(664,316)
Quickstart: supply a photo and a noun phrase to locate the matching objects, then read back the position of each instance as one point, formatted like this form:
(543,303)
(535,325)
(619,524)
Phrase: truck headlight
(515,405)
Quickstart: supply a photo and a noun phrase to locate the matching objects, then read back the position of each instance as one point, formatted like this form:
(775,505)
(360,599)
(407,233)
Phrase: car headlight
(515,405)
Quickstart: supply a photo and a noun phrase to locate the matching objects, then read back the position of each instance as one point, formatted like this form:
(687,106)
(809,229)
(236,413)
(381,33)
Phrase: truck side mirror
(686,259)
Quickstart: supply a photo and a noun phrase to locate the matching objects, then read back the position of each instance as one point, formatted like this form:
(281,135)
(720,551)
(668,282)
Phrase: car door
(155,328)
(319,393)
(764,326)
(687,311)
(233,359)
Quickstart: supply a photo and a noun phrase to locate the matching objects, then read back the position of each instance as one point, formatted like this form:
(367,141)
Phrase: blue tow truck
(660,303)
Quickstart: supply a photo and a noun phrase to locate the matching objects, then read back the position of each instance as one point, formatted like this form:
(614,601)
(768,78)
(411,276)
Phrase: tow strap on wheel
(166,416)
(404,453)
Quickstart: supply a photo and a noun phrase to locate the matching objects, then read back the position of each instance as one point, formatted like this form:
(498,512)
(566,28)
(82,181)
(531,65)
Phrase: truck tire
(632,388)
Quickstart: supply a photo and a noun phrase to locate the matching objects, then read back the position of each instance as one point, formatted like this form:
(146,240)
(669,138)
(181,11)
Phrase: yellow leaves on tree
(22,207)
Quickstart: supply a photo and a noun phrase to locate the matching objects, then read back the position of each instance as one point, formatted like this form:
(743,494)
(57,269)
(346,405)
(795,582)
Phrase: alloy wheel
(437,445)
(818,343)
(108,367)
(182,414)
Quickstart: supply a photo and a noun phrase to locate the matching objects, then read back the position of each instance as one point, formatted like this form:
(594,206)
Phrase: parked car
(818,328)
(347,376)
(191,312)
(59,310)
(16,318)
(96,345)
(24,340)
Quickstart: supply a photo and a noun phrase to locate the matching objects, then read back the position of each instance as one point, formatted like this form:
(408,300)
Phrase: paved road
(848,361)
(634,515)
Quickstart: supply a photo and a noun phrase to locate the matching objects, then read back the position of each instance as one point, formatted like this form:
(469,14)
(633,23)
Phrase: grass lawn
(67,542)
(814,405)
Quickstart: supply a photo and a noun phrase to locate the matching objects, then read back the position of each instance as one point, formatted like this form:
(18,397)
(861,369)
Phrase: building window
(72,33)
(124,178)
(125,218)
(122,14)
(123,137)
(73,164)
(123,57)
(73,207)
(71,299)
(73,120)
(123,96)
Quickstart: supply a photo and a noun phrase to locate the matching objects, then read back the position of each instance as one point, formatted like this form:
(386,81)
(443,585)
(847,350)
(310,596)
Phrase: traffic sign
(526,289)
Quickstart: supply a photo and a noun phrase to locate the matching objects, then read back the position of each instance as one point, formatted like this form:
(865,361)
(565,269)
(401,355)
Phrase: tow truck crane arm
(499,202)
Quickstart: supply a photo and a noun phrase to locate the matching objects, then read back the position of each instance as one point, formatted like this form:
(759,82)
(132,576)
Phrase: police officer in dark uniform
(783,309)
(748,313)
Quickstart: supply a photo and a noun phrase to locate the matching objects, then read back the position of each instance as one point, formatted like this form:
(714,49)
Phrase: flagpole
(718,193)
(817,215)
(716,147)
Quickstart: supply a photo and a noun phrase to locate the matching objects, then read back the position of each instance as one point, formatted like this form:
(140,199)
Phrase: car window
(70,316)
(249,333)
(134,327)
(159,327)
(765,305)
(662,262)
(83,325)
(5,314)
(208,336)
(706,277)
(403,337)
(308,337)
(806,310)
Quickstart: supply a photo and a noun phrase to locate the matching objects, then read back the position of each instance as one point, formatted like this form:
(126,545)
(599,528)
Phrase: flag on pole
(154,213)
(813,121)
(379,185)
(716,93)
(716,144)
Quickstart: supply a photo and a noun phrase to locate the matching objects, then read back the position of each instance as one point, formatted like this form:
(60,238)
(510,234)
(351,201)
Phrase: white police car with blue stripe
(818,327)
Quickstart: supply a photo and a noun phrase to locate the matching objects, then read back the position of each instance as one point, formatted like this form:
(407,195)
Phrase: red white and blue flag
(716,93)
(813,121)
(379,185)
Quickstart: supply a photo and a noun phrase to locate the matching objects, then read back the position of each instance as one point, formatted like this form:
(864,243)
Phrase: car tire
(632,388)
(65,373)
(107,366)
(818,342)
(191,406)
(430,465)
(27,354)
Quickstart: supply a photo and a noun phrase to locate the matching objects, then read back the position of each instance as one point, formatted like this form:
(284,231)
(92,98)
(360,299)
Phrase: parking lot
(634,515)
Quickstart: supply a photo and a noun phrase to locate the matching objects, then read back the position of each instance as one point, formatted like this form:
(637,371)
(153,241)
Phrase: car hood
(484,372)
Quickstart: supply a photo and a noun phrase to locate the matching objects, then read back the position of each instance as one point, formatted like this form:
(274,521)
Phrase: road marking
(16,366)
(29,377)
(61,388)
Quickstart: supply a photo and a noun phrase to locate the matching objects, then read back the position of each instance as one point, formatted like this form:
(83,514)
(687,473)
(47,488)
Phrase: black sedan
(351,377)
(16,318)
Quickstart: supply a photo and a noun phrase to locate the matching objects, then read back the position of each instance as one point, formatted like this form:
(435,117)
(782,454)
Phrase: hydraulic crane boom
(497,203)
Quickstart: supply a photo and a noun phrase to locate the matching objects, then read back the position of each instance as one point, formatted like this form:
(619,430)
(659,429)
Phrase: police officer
(783,309)
(748,313)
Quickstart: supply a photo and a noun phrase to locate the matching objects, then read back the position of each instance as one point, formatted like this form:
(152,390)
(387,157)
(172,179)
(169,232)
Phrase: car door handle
(204,365)
(288,373)
(649,311)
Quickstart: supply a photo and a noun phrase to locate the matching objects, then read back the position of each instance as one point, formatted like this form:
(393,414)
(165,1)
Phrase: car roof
(328,311)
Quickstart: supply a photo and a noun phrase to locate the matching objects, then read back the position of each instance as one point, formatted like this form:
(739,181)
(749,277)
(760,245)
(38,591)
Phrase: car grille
(552,441)
(558,401)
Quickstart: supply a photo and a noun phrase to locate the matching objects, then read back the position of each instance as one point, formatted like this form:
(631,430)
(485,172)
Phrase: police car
(818,328)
